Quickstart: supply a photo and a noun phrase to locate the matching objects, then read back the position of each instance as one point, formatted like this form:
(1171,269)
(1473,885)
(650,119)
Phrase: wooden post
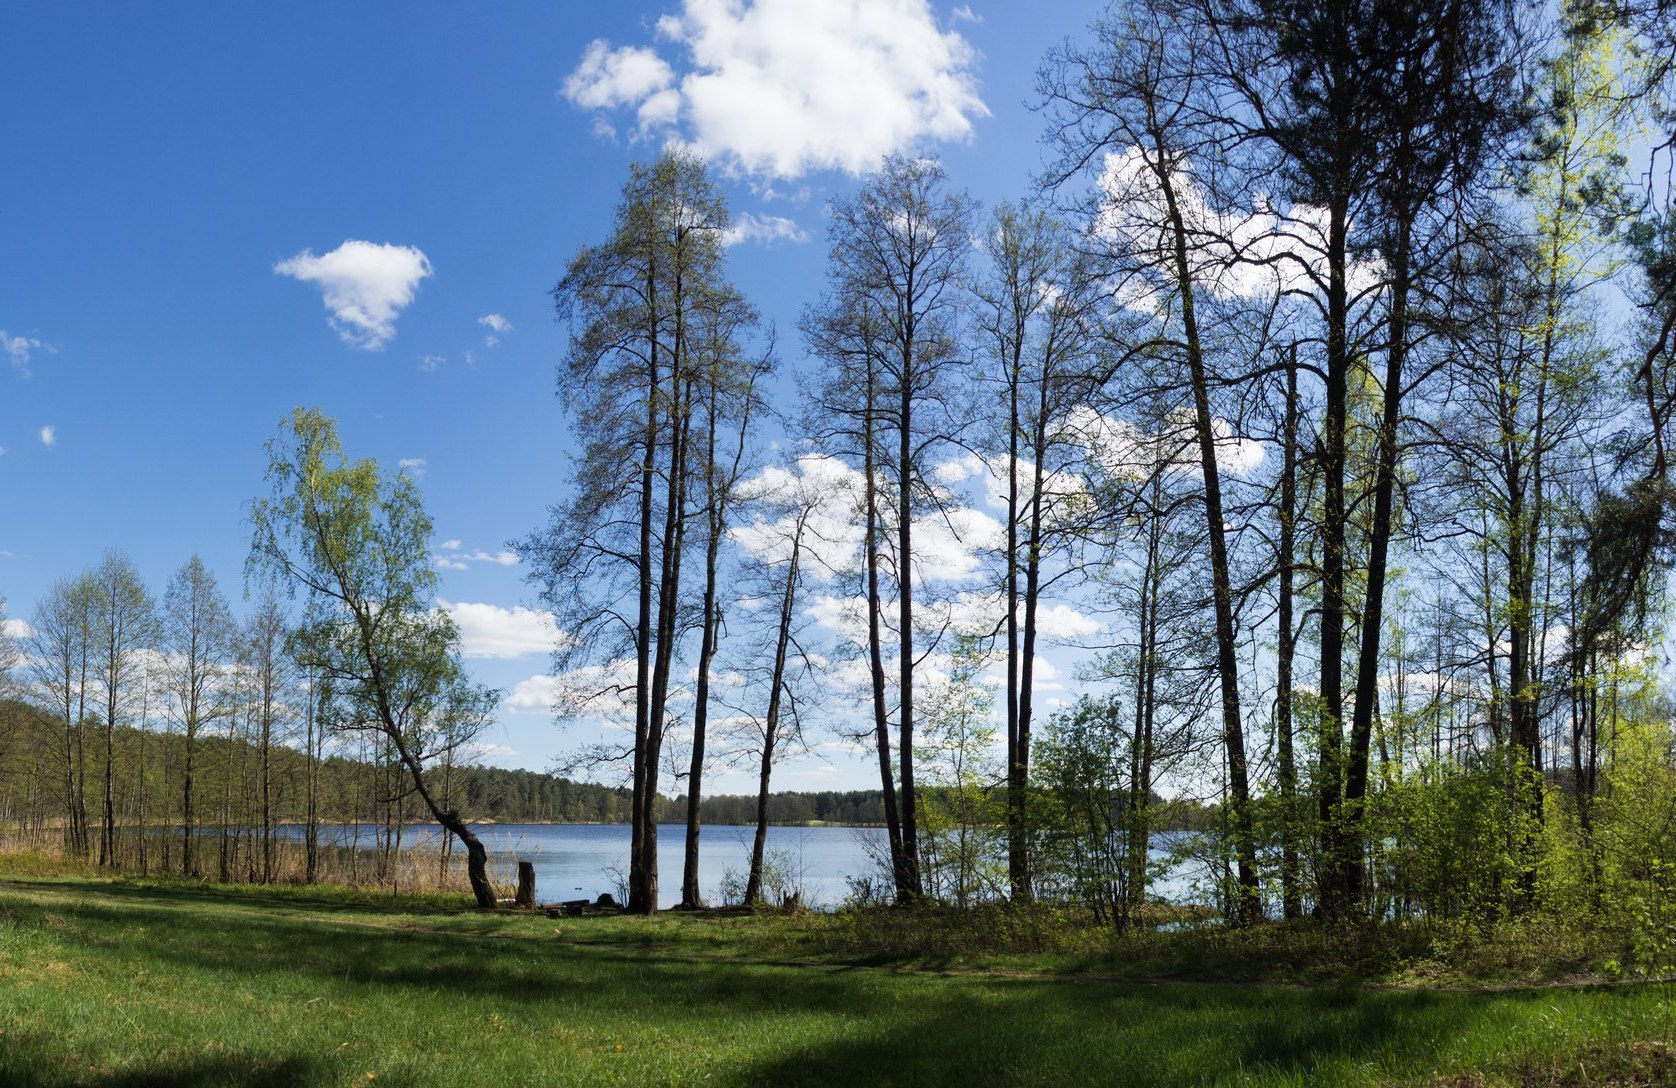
(526,885)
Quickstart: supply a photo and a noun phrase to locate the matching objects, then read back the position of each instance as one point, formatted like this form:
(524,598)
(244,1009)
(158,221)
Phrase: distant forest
(510,797)
(148,768)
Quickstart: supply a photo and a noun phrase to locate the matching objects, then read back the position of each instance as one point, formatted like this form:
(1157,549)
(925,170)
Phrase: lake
(577,861)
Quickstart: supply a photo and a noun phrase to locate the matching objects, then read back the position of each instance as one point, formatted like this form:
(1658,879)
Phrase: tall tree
(889,327)
(273,687)
(1034,310)
(729,401)
(1137,101)
(795,537)
(123,630)
(197,639)
(356,542)
(649,310)
(61,661)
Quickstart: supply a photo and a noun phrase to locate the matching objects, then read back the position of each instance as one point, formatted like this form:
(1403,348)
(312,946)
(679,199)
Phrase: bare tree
(889,326)
(123,629)
(1035,315)
(198,646)
(650,310)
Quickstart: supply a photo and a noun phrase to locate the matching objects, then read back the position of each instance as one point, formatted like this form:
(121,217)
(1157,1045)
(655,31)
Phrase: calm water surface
(577,861)
(580,861)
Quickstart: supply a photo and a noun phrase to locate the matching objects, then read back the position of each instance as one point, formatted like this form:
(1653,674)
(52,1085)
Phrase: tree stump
(526,885)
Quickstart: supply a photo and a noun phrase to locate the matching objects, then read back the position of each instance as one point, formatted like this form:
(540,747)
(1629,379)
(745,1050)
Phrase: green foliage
(962,815)
(356,542)
(1449,840)
(1082,761)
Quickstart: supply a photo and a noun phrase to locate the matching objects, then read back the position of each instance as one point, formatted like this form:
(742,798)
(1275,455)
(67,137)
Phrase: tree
(123,628)
(888,326)
(61,661)
(650,313)
(958,812)
(1034,312)
(356,543)
(197,640)
(10,657)
(783,546)
(1137,98)
(729,399)
(273,684)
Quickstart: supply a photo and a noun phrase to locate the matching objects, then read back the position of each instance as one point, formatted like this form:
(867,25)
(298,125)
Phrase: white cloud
(430,364)
(49,436)
(489,631)
(3,451)
(364,285)
(947,547)
(608,78)
(782,87)
(965,14)
(15,628)
(20,348)
(833,534)
(413,466)
(535,695)
(497,326)
(483,752)
(604,692)
(980,613)
(767,229)
(1239,253)
(1119,449)
(457,558)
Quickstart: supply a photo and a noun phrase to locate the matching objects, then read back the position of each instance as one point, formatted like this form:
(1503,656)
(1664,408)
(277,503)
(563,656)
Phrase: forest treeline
(345,790)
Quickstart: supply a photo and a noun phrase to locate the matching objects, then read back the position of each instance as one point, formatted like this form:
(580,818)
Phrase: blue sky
(163,160)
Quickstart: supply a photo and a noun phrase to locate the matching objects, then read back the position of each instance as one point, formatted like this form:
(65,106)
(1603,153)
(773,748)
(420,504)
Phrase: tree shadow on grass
(294,897)
(832,1024)
(41,1064)
(1166,1036)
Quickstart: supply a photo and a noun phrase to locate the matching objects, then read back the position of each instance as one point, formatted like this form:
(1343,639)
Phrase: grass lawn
(137,983)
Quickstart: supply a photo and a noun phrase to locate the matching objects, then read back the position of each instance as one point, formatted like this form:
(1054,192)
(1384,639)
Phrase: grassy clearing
(138,983)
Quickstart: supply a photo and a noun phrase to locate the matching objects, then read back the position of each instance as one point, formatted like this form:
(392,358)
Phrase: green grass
(147,983)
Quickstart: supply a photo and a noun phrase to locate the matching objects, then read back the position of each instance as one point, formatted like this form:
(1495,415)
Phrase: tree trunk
(1291,893)
(1249,907)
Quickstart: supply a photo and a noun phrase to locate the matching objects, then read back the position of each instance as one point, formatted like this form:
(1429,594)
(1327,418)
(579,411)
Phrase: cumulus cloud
(833,533)
(15,628)
(947,544)
(782,87)
(430,364)
(535,695)
(1238,253)
(19,349)
(49,436)
(1118,448)
(766,229)
(490,631)
(365,286)
(607,78)
(605,692)
(413,466)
